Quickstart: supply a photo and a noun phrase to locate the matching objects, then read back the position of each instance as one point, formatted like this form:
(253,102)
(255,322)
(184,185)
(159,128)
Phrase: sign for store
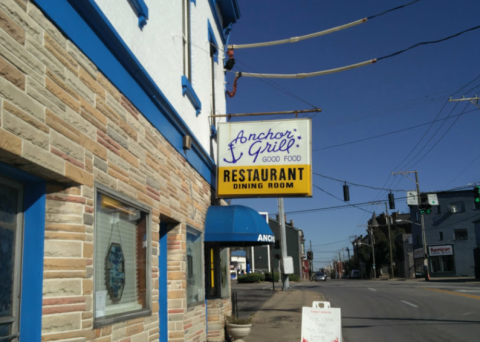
(440,250)
(265,159)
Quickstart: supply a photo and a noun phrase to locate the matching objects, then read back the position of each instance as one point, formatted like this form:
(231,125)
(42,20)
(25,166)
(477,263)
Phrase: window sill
(187,89)
(103,322)
(141,10)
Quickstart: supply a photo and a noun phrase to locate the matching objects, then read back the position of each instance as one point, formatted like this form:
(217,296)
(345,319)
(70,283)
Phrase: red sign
(440,250)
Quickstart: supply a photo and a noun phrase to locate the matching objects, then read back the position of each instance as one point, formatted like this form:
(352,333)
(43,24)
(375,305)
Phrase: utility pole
(283,242)
(372,242)
(310,263)
(422,219)
(387,217)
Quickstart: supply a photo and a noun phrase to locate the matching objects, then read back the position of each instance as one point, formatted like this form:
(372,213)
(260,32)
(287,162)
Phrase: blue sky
(396,93)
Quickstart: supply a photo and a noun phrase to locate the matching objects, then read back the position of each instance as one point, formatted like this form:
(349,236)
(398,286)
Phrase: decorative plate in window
(115,272)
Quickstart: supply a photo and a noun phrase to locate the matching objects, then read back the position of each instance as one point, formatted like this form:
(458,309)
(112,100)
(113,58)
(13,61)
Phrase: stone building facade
(80,137)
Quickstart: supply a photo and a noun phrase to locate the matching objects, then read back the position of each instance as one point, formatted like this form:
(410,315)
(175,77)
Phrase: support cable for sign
(296,112)
(316,34)
(353,66)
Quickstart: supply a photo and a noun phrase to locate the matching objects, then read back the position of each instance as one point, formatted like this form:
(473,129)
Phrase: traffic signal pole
(389,242)
(422,219)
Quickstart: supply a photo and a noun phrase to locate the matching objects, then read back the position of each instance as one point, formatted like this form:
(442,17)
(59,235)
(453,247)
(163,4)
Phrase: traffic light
(391,200)
(425,207)
(476,194)
(346,193)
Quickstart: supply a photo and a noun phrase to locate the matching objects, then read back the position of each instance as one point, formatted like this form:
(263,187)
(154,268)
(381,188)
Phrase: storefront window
(441,264)
(121,253)
(217,271)
(225,271)
(195,289)
(11,229)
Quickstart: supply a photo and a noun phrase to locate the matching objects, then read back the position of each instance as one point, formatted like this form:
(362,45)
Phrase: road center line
(372,289)
(453,293)
(405,302)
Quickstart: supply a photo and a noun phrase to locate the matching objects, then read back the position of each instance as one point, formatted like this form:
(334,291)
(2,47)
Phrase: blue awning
(237,225)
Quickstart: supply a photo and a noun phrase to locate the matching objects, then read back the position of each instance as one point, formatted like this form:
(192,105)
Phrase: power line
(390,133)
(328,193)
(355,184)
(428,42)
(331,243)
(444,134)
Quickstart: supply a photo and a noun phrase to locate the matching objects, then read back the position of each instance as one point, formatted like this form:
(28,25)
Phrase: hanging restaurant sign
(265,159)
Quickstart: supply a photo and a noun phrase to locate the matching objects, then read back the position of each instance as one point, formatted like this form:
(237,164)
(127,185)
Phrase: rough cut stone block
(38,16)
(63,249)
(62,287)
(7,106)
(66,145)
(17,97)
(45,56)
(59,207)
(23,19)
(12,74)
(60,53)
(25,131)
(81,59)
(74,82)
(12,28)
(80,123)
(62,322)
(43,158)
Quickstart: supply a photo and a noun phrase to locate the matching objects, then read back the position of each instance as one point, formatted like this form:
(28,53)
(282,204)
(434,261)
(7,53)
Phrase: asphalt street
(404,310)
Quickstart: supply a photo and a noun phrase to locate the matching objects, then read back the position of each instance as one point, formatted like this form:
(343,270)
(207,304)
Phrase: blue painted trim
(217,19)
(213,131)
(162,283)
(87,27)
(32,263)
(212,40)
(141,10)
(187,89)
(194,1)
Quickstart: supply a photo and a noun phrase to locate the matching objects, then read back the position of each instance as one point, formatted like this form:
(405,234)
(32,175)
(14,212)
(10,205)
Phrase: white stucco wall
(158,47)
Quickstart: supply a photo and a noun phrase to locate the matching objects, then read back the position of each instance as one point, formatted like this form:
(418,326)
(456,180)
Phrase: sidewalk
(280,318)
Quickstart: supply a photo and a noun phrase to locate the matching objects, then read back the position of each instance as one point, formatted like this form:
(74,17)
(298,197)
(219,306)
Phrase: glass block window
(195,289)
(11,236)
(121,253)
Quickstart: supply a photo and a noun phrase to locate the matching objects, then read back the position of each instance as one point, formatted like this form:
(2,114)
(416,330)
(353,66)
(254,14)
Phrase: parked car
(320,276)
(259,271)
(354,274)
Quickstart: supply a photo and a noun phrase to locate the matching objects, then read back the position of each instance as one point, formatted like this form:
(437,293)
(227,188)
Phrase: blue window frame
(212,41)
(31,288)
(187,89)
(141,10)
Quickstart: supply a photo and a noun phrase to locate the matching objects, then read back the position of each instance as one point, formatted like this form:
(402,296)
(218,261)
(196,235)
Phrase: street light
(407,221)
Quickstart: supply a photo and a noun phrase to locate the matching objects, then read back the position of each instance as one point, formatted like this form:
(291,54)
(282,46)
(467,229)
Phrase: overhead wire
(444,134)
(390,133)
(332,195)
(355,65)
(355,184)
(317,34)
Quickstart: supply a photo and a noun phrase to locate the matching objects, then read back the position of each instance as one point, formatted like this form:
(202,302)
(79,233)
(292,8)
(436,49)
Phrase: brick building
(103,201)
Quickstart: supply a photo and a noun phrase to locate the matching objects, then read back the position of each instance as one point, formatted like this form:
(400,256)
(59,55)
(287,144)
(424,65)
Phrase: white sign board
(432,199)
(418,253)
(412,198)
(287,265)
(440,250)
(265,158)
(321,325)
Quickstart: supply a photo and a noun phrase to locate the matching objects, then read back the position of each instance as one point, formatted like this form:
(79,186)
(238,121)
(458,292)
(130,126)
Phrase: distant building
(265,258)
(452,232)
